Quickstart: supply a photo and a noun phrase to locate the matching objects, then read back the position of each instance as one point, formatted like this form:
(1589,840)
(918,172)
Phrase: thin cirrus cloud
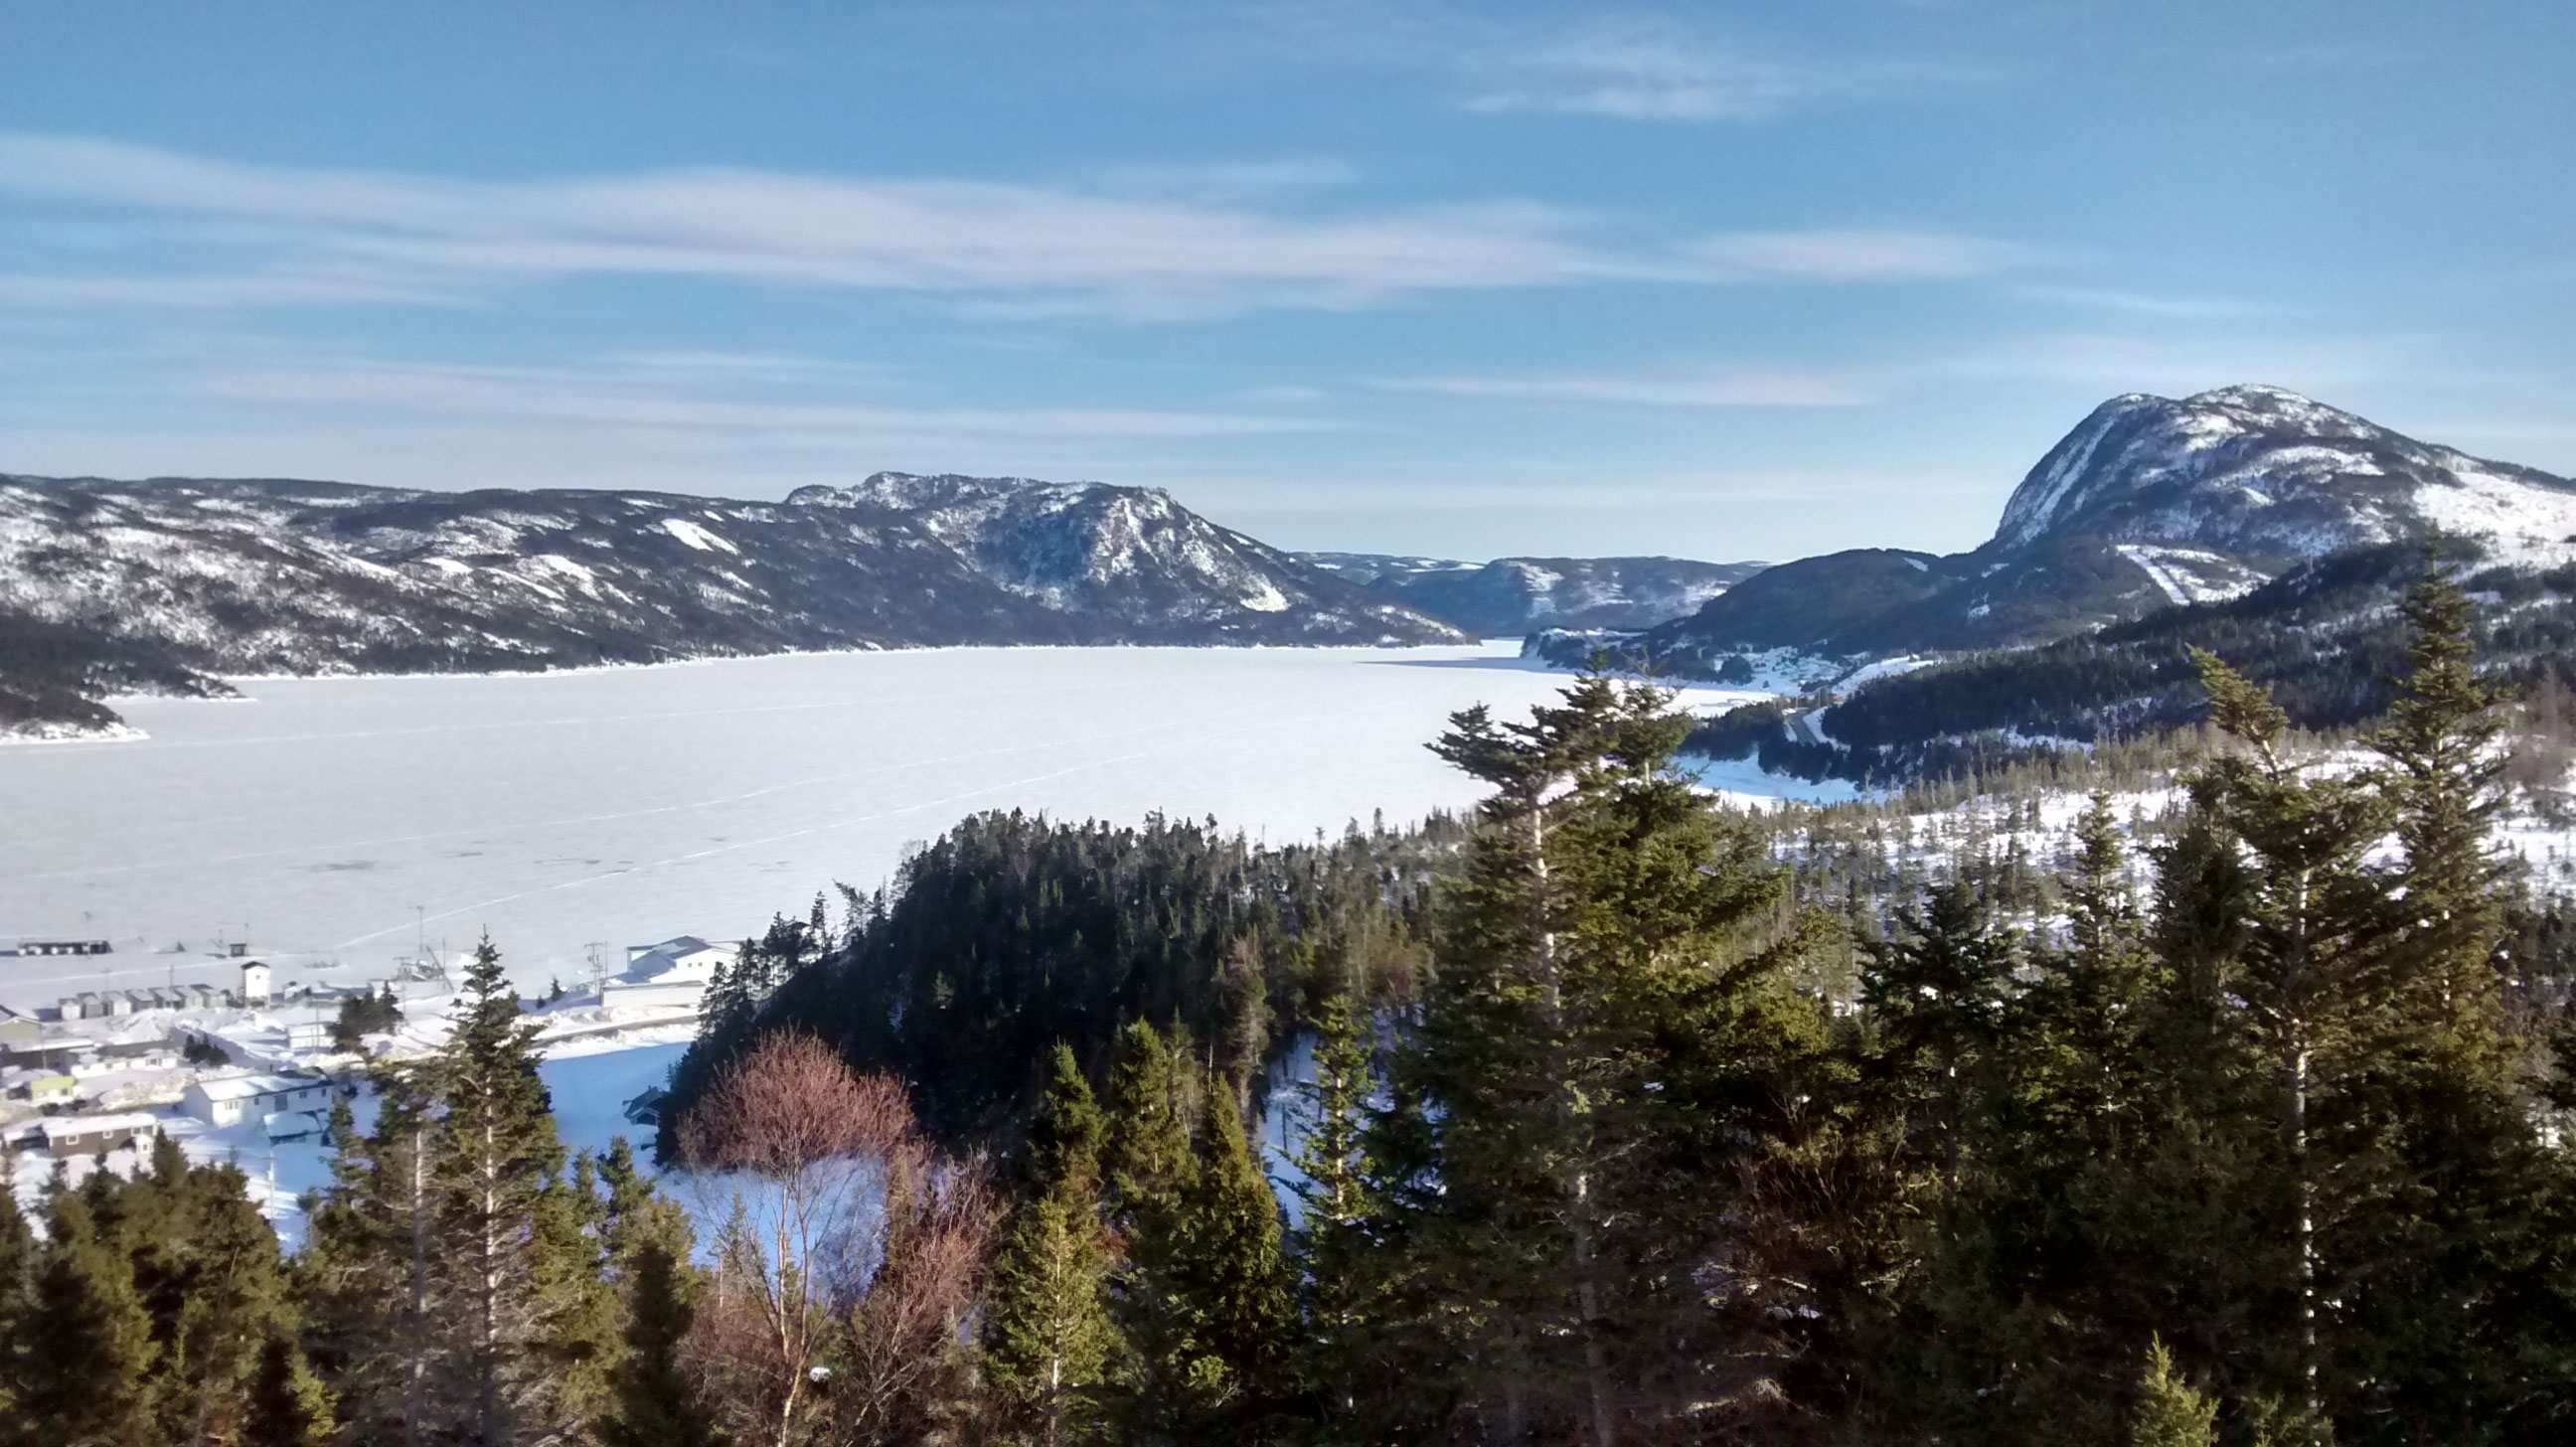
(310,236)
(1656,68)
(1042,247)
(1673,388)
(714,394)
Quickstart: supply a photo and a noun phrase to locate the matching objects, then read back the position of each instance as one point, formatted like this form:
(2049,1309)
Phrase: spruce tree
(1047,1335)
(2170,1413)
(1233,1285)
(1152,1174)
(1333,1242)
(288,1407)
(84,1383)
(2309,969)
(18,1258)
(655,1403)
(500,1275)
(1598,1060)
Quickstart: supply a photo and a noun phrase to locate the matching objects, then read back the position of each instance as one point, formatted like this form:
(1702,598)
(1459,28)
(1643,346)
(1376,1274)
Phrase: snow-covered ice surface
(625,805)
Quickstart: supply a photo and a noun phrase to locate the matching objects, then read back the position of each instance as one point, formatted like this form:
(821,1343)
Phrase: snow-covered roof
(286,1124)
(60,1126)
(248,1087)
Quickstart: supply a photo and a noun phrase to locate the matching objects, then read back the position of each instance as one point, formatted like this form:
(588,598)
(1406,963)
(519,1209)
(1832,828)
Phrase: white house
(230,1100)
(672,973)
(254,986)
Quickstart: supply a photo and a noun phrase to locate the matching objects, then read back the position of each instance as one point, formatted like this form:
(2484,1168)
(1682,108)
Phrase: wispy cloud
(1679,387)
(1632,62)
(1032,248)
(754,396)
(320,237)
(1861,255)
(1635,69)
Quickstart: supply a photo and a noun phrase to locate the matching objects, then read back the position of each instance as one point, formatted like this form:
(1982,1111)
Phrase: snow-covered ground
(336,823)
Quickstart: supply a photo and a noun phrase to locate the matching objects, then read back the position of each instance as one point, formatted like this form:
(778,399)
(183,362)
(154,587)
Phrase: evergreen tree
(2448,1257)
(288,1405)
(1047,1336)
(1333,1242)
(2308,967)
(1936,993)
(500,1276)
(1152,1175)
(18,1259)
(2170,1413)
(1599,1057)
(656,1405)
(1233,1285)
(84,1379)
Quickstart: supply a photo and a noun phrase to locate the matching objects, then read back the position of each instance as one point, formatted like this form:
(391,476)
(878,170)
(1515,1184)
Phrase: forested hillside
(1620,1120)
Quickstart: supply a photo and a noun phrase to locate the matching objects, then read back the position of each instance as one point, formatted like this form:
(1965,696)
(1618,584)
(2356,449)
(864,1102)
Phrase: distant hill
(2150,503)
(109,585)
(2271,529)
(1510,597)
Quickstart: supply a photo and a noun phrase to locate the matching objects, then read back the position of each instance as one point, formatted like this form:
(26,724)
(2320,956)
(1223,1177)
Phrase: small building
(65,947)
(115,1002)
(202,997)
(233,1099)
(160,1053)
(87,1135)
(254,983)
(309,1036)
(43,1087)
(17,1029)
(674,972)
(83,1006)
(293,1125)
(646,1108)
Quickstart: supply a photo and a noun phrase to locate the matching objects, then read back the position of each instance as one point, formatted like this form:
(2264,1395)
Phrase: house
(159,1053)
(41,1086)
(202,997)
(230,1100)
(17,1029)
(646,1108)
(304,1037)
(65,947)
(292,1125)
(674,972)
(114,1002)
(87,1135)
(254,983)
(83,1006)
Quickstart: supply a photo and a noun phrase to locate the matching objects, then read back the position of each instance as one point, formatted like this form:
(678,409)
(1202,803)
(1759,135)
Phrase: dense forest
(1606,1124)
(2320,639)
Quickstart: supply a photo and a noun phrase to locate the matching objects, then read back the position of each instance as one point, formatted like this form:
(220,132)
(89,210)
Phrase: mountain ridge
(1508,597)
(106,584)
(2148,503)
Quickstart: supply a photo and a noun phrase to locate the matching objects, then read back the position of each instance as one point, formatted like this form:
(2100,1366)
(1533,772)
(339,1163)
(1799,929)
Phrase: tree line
(1645,1144)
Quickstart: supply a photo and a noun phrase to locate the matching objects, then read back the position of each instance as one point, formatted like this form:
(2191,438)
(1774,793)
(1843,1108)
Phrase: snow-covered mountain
(2149,503)
(1512,596)
(2259,472)
(118,580)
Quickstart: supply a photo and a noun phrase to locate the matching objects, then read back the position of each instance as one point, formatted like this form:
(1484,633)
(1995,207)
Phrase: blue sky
(1720,281)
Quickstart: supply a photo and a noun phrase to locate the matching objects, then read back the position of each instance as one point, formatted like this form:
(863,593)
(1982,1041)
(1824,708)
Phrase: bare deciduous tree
(842,1289)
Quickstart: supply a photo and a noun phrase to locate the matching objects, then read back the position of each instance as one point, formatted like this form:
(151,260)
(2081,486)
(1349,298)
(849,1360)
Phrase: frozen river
(346,820)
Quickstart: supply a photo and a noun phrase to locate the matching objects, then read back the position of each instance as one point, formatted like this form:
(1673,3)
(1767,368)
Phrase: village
(249,1073)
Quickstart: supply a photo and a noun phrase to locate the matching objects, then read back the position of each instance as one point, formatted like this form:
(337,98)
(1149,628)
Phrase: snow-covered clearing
(336,822)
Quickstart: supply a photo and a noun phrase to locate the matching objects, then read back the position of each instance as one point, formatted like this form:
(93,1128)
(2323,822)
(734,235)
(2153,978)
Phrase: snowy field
(336,823)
